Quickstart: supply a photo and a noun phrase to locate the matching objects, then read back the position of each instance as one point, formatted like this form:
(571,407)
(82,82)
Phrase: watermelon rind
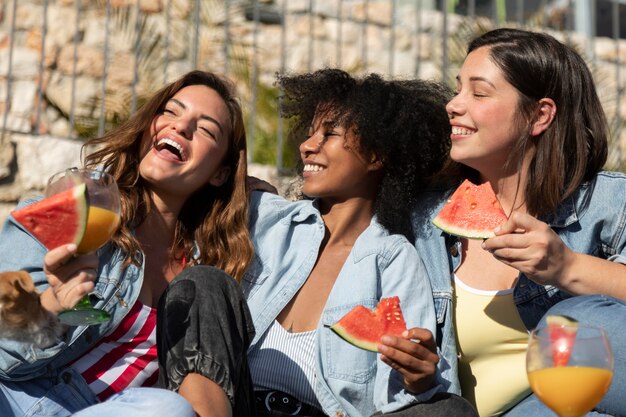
(463,232)
(472,211)
(56,220)
(347,336)
(561,320)
(364,328)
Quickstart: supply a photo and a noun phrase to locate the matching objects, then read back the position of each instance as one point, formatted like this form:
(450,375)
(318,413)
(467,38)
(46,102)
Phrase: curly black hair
(403,122)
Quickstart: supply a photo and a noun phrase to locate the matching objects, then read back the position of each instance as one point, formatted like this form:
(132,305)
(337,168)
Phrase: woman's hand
(70,276)
(257,184)
(414,356)
(533,248)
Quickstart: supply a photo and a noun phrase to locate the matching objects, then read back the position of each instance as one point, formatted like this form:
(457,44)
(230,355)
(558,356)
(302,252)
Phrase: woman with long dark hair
(526,118)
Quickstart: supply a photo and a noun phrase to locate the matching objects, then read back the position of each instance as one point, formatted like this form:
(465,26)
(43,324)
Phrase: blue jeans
(141,402)
(600,311)
(69,395)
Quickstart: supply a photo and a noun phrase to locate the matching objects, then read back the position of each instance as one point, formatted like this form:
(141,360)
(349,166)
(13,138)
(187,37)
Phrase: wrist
(49,302)
(569,279)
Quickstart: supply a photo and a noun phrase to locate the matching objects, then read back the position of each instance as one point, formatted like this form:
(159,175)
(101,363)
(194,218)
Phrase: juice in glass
(570,391)
(101,224)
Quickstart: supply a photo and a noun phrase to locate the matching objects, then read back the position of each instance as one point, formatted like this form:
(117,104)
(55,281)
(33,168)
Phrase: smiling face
(184,148)
(334,169)
(483,114)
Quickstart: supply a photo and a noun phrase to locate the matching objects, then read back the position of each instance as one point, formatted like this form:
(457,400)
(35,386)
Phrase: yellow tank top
(492,343)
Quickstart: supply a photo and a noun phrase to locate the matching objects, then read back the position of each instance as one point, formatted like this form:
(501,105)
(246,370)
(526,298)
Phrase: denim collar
(568,212)
(564,216)
(307,209)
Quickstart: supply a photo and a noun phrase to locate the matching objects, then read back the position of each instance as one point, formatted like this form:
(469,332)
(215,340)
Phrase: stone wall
(359,37)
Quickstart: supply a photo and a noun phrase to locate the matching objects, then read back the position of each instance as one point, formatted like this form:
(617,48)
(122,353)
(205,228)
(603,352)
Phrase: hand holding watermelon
(81,207)
(414,355)
(411,352)
(363,327)
(533,248)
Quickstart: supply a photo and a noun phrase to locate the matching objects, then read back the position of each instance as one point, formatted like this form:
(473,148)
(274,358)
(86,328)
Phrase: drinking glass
(103,218)
(569,368)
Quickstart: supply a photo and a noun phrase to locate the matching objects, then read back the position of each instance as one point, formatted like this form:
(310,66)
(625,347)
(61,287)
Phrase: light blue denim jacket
(287,238)
(116,291)
(593,221)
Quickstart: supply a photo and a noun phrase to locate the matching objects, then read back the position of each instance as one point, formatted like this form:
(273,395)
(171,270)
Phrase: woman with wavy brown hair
(214,219)
(182,246)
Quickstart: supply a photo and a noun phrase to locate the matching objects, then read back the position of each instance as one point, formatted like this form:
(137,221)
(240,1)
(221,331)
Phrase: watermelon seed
(473,206)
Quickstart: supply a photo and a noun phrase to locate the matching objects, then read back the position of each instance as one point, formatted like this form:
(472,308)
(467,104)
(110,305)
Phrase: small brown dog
(22,317)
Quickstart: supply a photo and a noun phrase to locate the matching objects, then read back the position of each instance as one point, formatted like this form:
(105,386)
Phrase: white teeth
(313,168)
(456,130)
(173,144)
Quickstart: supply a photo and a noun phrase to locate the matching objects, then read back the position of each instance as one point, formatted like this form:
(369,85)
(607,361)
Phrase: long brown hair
(575,145)
(214,220)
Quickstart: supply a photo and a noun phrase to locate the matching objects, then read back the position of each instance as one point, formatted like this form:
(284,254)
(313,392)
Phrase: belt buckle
(274,396)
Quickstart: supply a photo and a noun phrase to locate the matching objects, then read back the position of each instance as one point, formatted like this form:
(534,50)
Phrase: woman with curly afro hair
(367,146)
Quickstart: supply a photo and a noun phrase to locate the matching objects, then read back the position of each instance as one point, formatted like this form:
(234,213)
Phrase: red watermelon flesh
(473,211)
(364,328)
(562,331)
(56,220)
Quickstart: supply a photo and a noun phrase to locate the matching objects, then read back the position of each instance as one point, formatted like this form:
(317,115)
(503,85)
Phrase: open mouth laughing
(171,146)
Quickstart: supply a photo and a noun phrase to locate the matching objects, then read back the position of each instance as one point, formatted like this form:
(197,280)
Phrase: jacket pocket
(343,360)
(255,276)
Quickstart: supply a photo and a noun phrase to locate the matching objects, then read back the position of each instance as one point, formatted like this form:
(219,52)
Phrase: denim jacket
(592,221)
(287,238)
(115,291)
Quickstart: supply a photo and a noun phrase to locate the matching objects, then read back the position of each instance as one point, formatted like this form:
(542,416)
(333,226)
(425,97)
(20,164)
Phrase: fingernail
(497,229)
(71,247)
(386,340)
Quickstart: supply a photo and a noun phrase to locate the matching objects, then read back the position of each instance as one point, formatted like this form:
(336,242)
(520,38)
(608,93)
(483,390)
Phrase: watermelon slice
(364,328)
(562,331)
(56,220)
(473,211)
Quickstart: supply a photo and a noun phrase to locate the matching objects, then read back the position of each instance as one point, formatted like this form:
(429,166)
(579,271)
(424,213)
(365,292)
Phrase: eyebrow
(202,116)
(474,79)
(326,124)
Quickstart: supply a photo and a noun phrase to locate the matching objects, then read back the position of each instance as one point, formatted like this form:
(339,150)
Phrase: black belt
(278,404)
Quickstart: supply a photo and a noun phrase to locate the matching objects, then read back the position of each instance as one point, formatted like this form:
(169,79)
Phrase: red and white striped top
(126,357)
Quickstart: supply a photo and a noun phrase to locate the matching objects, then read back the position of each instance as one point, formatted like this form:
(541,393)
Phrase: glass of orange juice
(103,219)
(569,369)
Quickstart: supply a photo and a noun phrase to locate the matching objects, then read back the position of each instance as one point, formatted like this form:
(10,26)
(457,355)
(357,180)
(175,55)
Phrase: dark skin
(347,213)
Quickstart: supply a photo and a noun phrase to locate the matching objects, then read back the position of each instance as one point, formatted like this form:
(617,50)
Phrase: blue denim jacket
(287,238)
(593,221)
(115,291)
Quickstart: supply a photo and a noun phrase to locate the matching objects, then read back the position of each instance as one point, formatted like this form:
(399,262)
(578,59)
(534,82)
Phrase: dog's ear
(7,286)
(25,281)
(13,283)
